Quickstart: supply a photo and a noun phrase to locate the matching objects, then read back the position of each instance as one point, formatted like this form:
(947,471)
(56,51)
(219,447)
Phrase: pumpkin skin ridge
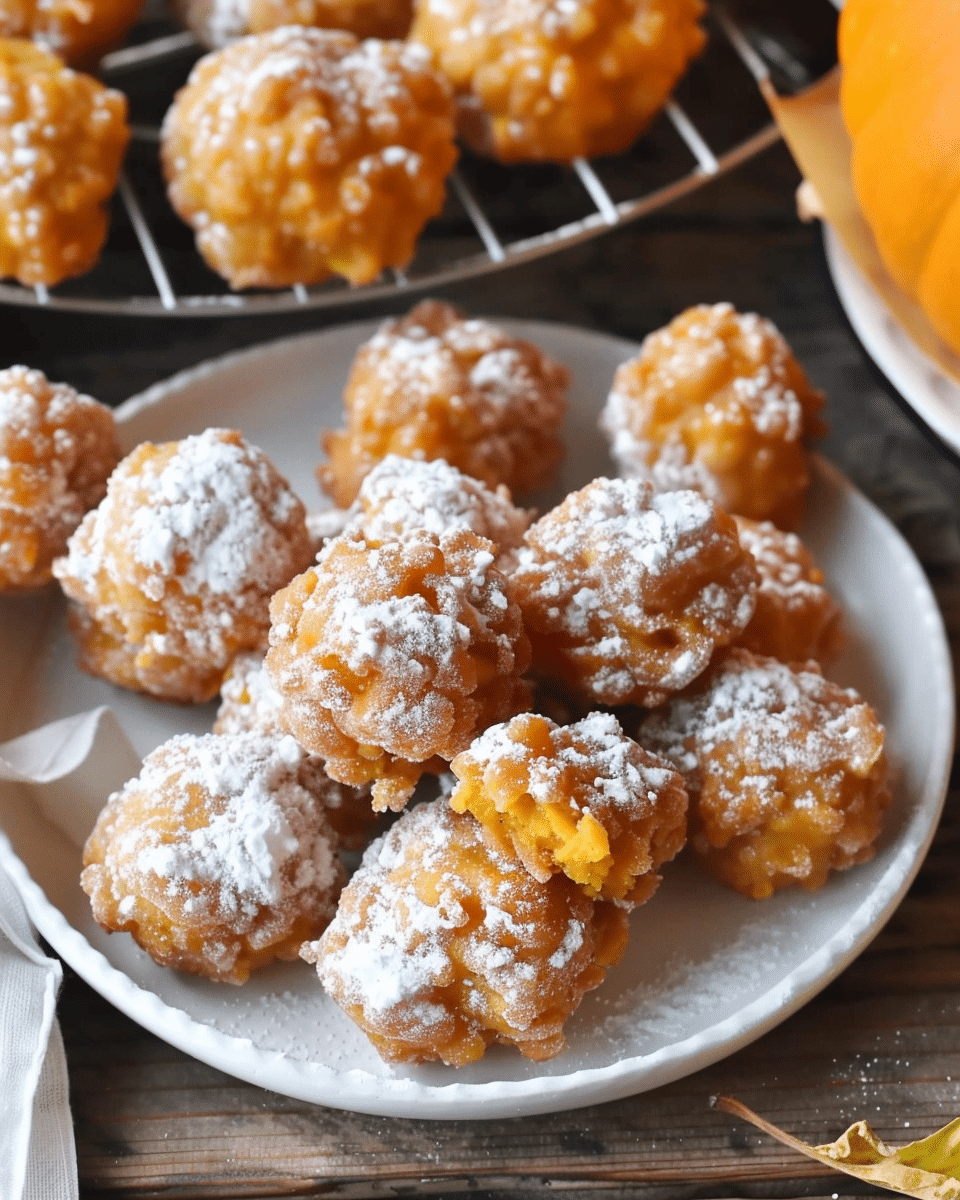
(900,100)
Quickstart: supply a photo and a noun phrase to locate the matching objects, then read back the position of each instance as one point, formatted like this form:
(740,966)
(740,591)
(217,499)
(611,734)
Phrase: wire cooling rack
(495,216)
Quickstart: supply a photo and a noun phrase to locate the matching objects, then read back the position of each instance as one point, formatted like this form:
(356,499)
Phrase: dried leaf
(929,1169)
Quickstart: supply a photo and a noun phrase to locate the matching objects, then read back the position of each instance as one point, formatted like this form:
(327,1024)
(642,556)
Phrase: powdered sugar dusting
(403,493)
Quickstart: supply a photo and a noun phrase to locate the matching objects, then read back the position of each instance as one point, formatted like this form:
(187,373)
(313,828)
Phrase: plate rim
(897,364)
(402,1097)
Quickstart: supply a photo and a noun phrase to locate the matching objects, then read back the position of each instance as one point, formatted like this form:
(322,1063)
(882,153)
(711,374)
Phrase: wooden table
(882,1042)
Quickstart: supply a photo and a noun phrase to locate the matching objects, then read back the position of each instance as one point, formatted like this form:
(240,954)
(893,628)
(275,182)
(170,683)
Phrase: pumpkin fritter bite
(401,494)
(717,402)
(216,23)
(627,592)
(583,799)
(249,703)
(442,945)
(217,858)
(171,576)
(79,34)
(434,384)
(301,153)
(796,618)
(57,449)
(391,656)
(555,79)
(787,773)
(62,140)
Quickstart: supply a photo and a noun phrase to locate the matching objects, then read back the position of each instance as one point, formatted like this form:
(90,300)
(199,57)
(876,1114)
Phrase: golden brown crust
(172,574)
(300,153)
(551,79)
(787,774)
(442,945)
(57,449)
(216,858)
(62,140)
(390,657)
(796,618)
(716,401)
(435,384)
(627,592)
(79,34)
(583,799)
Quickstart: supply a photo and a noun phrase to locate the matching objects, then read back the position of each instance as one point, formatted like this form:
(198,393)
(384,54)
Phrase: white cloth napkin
(67,766)
(38,1159)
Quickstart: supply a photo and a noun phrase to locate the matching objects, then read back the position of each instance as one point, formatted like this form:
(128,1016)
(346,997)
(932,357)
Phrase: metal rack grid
(755,56)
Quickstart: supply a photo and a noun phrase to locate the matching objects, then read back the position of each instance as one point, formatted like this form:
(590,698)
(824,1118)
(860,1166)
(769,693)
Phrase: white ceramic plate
(933,394)
(706,971)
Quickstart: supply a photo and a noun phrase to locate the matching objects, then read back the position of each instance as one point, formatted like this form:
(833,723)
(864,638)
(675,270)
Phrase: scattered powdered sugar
(248,700)
(594,748)
(341,86)
(784,563)
(499,379)
(403,617)
(625,521)
(227,812)
(640,584)
(403,493)
(772,718)
(394,954)
(741,356)
(214,515)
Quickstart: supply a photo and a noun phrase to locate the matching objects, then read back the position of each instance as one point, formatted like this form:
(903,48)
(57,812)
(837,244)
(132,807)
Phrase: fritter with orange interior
(301,153)
(626,592)
(216,858)
(442,945)
(171,576)
(80,34)
(583,799)
(716,401)
(786,771)
(796,618)
(556,79)
(401,494)
(62,140)
(57,449)
(216,23)
(435,384)
(249,703)
(390,657)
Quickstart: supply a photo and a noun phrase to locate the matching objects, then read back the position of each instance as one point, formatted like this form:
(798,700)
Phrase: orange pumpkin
(900,97)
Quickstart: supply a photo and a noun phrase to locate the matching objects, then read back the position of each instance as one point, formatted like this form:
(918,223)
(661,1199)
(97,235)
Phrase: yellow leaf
(928,1169)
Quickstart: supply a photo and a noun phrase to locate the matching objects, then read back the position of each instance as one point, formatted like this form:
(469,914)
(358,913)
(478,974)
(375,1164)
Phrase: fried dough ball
(301,153)
(249,703)
(716,401)
(796,618)
(363,18)
(442,945)
(62,139)
(434,384)
(172,574)
(78,33)
(57,449)
(391,657)
(401,494)
(786,771)
(555,79)
(627,592)
(583,799)
(216,858)
(216,23)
